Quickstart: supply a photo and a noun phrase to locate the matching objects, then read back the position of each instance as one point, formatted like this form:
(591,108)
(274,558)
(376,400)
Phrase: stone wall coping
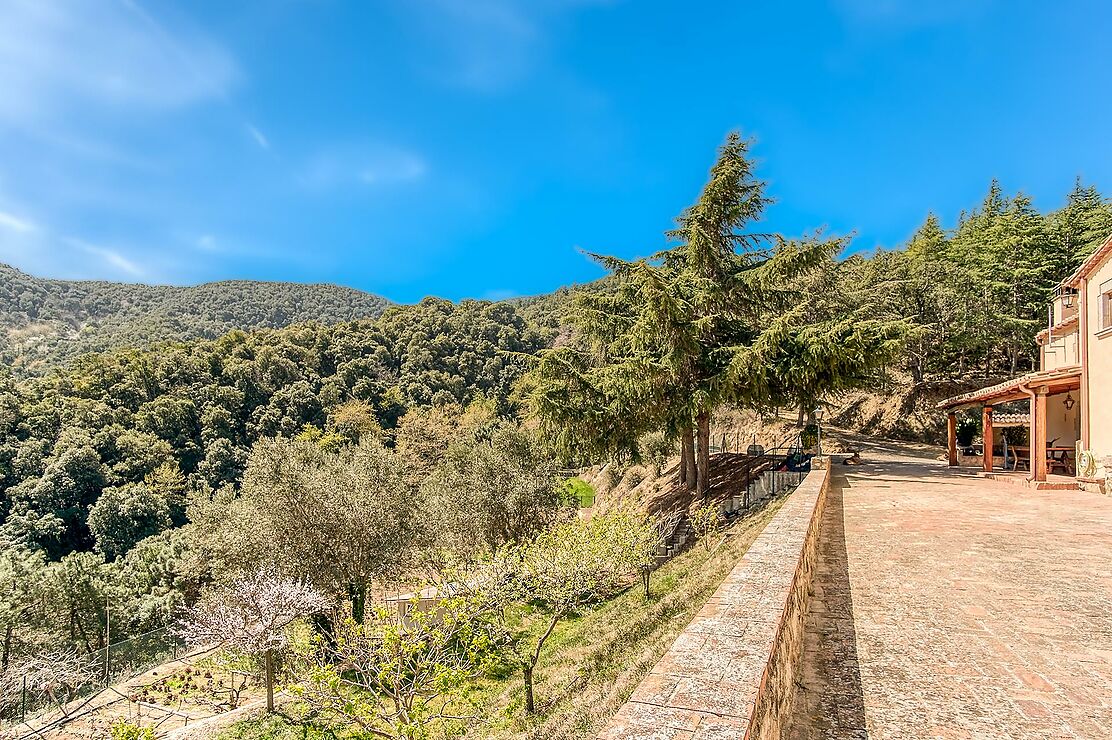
(709,684)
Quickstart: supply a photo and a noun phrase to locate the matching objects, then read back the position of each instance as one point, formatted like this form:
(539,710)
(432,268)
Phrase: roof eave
(1091,264)
(1015,389)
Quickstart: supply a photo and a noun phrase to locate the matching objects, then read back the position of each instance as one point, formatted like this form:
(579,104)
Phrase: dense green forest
(980,290)
(135,477)
(46,323)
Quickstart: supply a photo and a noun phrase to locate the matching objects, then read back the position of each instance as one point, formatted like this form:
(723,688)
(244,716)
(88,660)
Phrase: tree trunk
(702,466)
(645,576)
(268,659)
(358,595)
(530,705)
(7,648)
(687,461)
(322,623)
(917,368)
(799,419)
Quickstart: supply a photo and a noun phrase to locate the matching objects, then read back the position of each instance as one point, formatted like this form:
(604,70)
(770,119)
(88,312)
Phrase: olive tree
(251,615)
(342,520)
(492,489)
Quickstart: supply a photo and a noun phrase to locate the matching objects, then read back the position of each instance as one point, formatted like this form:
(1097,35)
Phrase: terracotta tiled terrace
(949,606)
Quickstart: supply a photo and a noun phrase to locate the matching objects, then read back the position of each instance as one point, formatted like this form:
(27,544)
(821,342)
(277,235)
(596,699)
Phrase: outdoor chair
(1059,460)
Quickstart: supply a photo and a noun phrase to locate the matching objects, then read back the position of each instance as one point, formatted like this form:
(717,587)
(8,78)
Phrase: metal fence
(54,678)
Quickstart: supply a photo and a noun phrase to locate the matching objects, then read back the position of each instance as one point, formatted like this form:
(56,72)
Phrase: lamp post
(819,410)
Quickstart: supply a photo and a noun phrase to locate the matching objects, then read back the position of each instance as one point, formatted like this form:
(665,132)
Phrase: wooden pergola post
(1038,434)
(952,438)
(986,428)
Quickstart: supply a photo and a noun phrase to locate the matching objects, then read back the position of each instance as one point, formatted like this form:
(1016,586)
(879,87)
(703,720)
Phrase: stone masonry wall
(731,673)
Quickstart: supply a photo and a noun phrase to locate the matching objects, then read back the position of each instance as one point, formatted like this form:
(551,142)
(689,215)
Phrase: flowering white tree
(57,674)
(251,616)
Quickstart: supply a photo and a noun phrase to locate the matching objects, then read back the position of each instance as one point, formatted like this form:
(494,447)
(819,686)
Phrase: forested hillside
(45,323)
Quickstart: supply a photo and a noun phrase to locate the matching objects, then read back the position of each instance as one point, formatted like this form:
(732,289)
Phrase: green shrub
(124,730)
(1015,435)
(967,430)
(656,448)
(580,491)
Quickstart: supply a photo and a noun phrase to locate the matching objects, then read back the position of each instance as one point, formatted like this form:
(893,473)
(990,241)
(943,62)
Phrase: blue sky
(470,148)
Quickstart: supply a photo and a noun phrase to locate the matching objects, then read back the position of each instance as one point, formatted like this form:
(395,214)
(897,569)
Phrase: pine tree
(1081,226)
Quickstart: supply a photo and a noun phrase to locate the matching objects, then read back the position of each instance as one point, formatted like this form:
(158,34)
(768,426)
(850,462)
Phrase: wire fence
(54,678)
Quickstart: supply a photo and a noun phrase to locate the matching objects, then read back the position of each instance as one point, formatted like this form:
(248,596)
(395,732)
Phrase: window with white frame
(1106,305)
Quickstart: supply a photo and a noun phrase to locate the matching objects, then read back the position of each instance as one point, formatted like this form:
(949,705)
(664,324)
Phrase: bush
(124,730)
(809,437)
(967,430)
(656,448)
(707,522)
(580,492)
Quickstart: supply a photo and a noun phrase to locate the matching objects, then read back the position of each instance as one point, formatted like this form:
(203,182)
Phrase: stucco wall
(1061,352)
(1099,371)
(1063,423)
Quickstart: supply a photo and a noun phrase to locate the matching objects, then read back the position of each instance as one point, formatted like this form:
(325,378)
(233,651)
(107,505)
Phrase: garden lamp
(818,427)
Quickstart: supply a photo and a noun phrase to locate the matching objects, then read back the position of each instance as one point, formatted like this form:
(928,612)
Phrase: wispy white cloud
(258,136)
(362,165)
(207,242)
(91,95)
(111,257)
(15,223)
(489,45)
(57,56)
(403,168)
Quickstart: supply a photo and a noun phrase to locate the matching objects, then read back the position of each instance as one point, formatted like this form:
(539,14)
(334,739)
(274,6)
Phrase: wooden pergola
(1035,388)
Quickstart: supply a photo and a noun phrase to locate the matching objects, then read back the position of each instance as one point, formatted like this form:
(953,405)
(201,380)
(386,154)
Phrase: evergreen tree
(700,325)
(1081,226)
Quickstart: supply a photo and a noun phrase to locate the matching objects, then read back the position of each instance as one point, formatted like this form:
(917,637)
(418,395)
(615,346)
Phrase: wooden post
(986,427)
(268,659)
(952,438)
(1038,434)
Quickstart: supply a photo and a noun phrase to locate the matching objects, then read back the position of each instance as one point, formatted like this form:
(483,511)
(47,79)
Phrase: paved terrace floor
(947,606)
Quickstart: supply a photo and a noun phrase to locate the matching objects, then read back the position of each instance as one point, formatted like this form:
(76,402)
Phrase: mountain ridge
(47,322)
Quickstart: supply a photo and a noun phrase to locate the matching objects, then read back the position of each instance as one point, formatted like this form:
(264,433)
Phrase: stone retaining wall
(731,673)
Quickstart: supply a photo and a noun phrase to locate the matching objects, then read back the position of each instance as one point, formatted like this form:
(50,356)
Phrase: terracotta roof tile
(1012,390)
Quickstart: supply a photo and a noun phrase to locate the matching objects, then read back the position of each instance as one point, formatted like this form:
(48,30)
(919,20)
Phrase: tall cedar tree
(696,326)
